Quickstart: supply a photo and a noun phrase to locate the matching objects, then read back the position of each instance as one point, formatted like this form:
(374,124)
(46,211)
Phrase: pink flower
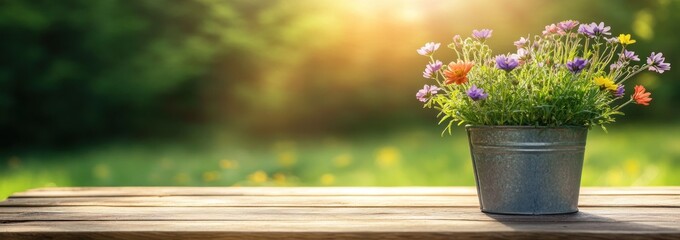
(427,92)
(521,43)
(428,49)
(552,29)
(567,25)
(457,41)
(481,35)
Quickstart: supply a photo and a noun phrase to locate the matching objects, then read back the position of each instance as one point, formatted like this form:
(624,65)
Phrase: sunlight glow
(411,15)
(405,10)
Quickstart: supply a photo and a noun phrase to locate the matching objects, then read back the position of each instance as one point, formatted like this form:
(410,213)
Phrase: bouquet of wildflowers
(571,75)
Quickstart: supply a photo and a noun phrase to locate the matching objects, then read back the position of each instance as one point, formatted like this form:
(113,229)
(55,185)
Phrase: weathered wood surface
(322,213)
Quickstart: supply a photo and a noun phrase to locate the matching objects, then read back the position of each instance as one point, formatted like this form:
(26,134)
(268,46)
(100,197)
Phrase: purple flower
(577,65)
(522,42)
(628,55)
(582,28)
(657,64)
(600,29)
(432,68)
(506,63)
(616,66)
(428,49)
(567,25)
(481,35)
(552,29)
(593,30)
(427,92)
(620,90)
(476,93)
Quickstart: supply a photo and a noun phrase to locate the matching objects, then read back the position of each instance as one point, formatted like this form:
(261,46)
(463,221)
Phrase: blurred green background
(283,93)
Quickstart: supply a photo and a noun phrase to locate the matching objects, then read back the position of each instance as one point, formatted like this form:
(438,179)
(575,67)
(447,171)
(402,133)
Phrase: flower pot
(527,170)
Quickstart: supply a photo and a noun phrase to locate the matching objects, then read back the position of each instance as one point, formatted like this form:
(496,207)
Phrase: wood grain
(324,201)
(344,226)
(310,235)
(305,191)
(87,213)
(325,213)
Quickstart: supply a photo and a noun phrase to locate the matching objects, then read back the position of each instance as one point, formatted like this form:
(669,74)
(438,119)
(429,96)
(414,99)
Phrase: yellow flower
(280,178)
(327,179)
(258,177)
(102,171)
(228,164)
(342,160)
(605,83)
(287,158)
(211,176)
(387,156)
(625,39)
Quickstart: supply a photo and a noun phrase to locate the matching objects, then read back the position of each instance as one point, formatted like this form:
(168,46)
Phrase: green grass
(628,155)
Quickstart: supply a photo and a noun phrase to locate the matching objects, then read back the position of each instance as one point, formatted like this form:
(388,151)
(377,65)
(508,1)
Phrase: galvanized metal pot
(527,170)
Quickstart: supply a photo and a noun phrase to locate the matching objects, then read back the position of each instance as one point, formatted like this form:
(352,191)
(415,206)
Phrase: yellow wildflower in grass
(605,83)
(625,39)
(342,160)
(614,177)
(387,157)
(101,171)
(279,178)
(211,176)
(287,158)
(632,167)
(327,179)
(228,164)
(258,177)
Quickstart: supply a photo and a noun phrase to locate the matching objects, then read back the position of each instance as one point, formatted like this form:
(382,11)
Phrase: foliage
(76,69)
(630,155)
(562,78)
(79,71)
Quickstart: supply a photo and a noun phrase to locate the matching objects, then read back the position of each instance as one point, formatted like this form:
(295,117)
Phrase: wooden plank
(322,213)
(340,225)
(85,213)
(305,191)
(325,201)
(336,235)
(245,191)
(630,190)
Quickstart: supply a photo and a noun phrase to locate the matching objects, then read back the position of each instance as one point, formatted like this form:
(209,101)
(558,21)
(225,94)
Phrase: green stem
(634,73)
(624,104)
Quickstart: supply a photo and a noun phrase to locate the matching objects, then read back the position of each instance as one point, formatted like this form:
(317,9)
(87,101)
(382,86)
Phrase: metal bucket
(527,170)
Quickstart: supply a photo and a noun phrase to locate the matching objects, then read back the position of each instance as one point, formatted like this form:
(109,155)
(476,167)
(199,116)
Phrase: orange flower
(640,96)
(457,72)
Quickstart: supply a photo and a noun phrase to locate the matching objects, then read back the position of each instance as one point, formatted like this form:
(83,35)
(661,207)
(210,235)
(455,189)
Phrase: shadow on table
(581,222)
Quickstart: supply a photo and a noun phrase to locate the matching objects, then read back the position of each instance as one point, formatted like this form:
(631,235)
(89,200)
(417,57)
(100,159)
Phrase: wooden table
(314,213)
